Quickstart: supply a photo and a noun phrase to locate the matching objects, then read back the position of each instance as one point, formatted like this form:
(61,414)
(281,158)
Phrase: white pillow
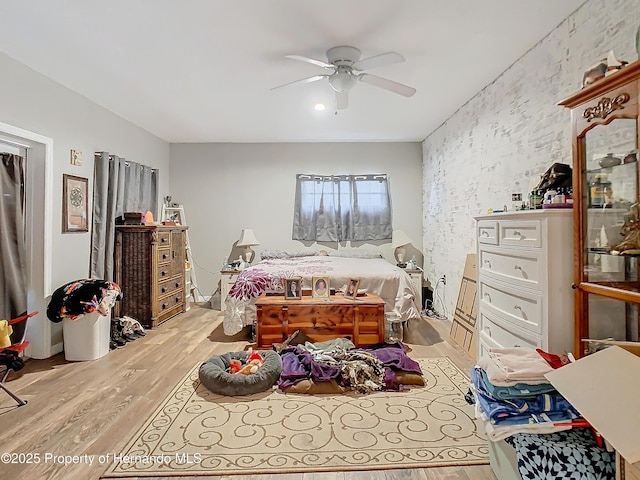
(356,254)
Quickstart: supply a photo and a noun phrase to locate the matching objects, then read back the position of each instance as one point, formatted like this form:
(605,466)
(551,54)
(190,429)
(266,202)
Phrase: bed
(376,274)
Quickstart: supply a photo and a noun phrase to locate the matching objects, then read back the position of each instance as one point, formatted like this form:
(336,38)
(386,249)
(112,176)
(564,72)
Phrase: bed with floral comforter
(376,276)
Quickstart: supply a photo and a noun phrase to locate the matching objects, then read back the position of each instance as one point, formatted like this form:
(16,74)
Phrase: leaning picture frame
(352,288)
(293,288)
(75,204)
(320,287)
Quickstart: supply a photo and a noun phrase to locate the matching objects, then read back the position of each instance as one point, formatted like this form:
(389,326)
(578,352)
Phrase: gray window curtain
(13,249)
(342,207)
(118,186)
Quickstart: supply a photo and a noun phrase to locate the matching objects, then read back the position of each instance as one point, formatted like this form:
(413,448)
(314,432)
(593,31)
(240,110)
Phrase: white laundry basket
(86,338)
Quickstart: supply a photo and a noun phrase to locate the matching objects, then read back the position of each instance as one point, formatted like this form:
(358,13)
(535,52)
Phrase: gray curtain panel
(118,186)
(13,250)
(337,208)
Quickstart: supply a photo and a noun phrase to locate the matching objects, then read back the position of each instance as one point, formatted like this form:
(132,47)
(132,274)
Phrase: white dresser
(525,272)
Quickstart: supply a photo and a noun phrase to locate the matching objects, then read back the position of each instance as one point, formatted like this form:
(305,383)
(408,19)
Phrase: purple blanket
(298,365)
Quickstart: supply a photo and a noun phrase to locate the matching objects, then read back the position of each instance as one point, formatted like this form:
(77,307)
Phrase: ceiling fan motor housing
(344,55)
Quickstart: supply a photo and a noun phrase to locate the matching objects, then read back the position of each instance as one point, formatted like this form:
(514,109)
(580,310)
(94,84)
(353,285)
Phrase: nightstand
(416,279)
(227,279)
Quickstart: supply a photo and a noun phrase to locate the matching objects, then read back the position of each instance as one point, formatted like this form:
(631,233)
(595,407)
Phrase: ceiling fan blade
(342,100)
(376,61)
(315,78)
(319,63)
(387,84)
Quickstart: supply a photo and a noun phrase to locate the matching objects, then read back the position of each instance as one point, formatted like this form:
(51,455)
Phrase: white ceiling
(202,70)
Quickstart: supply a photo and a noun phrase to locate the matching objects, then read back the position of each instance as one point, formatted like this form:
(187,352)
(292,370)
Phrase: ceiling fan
(344,60)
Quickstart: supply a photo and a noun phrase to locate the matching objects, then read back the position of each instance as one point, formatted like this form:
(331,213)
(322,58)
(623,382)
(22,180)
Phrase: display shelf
(605,126)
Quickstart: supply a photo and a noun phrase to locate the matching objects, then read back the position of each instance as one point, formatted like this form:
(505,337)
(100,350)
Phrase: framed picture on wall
(75,206)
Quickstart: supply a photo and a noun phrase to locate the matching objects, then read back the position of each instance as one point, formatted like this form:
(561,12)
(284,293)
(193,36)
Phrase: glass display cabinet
(606,215)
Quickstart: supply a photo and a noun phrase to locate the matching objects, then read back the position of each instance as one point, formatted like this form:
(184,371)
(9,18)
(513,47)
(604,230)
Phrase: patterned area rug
(196,432)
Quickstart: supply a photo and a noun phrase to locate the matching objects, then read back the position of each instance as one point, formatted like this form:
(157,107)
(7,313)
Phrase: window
(342,207)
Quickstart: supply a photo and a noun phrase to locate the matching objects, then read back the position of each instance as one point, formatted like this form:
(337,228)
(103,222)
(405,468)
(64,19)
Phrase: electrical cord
(430,308)
(196,264)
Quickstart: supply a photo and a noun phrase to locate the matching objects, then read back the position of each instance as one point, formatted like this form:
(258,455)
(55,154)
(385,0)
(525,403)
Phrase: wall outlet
(444,279)
(516,197)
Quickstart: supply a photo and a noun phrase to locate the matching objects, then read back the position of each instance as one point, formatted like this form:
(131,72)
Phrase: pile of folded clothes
(513,395)
(518,404)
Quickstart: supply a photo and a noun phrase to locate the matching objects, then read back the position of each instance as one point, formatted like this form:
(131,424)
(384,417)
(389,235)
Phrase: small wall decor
(76,157)
(75,206)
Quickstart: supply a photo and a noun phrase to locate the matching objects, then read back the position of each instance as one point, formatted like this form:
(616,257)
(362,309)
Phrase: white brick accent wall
(510,133)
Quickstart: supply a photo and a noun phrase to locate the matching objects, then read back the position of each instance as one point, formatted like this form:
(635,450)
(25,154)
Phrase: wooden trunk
(150,270)
(361,320)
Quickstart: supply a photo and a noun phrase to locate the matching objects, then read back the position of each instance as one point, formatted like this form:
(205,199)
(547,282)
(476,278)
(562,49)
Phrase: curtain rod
(128,164)
(15,144)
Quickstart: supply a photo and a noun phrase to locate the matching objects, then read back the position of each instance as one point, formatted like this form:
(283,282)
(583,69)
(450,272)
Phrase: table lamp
(399,240)
(247,240)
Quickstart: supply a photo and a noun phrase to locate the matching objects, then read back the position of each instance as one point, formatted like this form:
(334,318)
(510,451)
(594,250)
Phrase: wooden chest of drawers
(150,270)
(361,320)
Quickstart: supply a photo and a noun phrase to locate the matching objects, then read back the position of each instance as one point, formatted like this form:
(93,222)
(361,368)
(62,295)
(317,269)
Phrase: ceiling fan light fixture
(342,81)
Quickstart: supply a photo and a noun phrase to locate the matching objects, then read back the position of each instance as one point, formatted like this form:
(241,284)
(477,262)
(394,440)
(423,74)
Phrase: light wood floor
(93,408)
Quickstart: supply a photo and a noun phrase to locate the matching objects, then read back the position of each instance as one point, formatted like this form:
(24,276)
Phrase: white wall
(505,137)
(33,102)
(228,187)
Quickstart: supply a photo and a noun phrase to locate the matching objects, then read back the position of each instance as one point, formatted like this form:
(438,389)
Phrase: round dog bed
(213,374)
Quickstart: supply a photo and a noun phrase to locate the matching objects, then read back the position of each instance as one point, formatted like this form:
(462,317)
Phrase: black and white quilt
(568,455)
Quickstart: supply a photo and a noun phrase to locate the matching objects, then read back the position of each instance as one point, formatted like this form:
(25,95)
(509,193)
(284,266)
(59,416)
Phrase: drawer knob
(517,233)
(517,267)
(488,297)
(485,233)
(488,330)
(517,307)
(163,289)
(517,345)
(487,263)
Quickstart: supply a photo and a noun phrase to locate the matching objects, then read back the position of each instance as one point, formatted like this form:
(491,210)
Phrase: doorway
(45,338)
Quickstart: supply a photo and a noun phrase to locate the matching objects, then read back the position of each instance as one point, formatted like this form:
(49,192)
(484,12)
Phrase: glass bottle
(597,190)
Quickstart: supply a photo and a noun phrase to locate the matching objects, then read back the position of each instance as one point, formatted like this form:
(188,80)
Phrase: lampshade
(399,240)
(247,238)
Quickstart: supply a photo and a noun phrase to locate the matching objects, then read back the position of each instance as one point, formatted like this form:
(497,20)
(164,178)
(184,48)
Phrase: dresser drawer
(523,308)
(485,343)
(170,301)
(520,233)
(164,239)
(488,232)
(230,279)
(164,272)
(521,267)
(493,330)
(163,255)
(167,286)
